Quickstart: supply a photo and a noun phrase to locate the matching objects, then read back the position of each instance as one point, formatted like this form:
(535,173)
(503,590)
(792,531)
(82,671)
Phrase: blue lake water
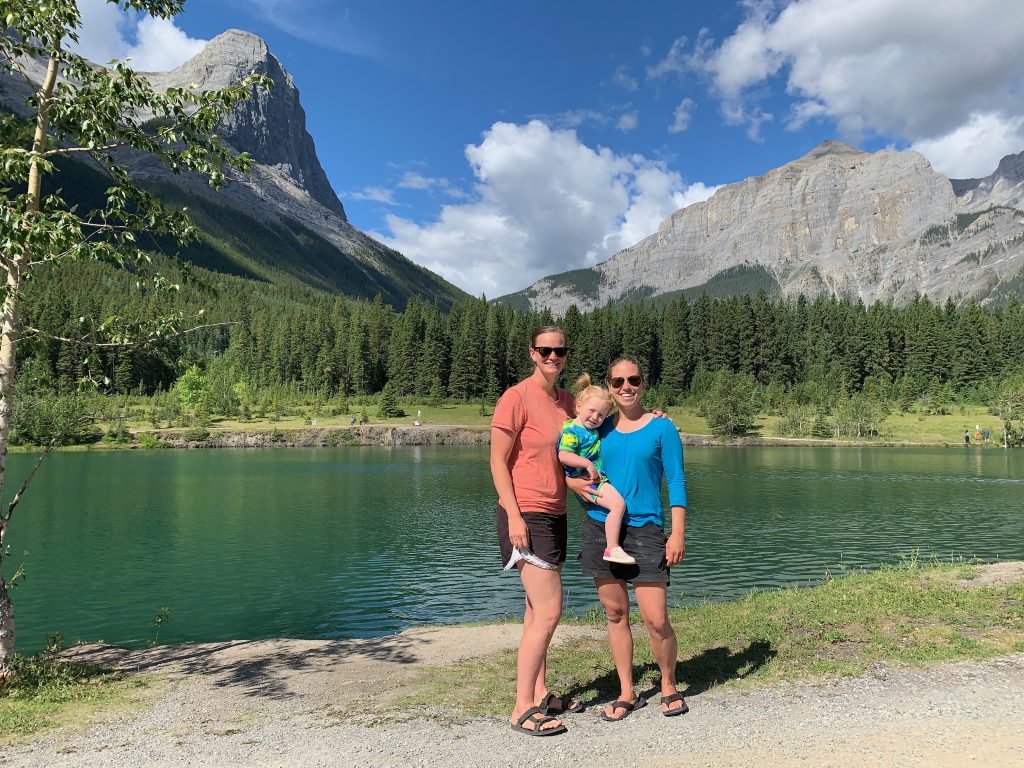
(354,542)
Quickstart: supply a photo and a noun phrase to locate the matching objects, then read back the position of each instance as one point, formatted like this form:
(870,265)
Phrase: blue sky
(496,144)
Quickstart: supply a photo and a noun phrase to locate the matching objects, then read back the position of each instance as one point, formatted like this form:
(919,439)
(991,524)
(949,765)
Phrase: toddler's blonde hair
(585,388)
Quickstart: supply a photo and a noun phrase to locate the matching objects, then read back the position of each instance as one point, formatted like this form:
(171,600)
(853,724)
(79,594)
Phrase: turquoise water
(356,542)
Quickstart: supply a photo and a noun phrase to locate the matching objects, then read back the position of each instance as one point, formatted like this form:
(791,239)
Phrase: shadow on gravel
(698,673)
(257,667)
(719,665)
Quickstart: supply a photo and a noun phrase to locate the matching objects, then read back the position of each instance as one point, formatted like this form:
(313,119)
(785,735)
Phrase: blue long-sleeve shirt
(635,463)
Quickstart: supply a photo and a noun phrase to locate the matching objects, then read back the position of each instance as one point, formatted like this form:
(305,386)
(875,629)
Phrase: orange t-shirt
(536,420)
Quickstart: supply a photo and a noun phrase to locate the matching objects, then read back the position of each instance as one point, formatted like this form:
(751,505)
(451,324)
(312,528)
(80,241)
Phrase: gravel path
(283,704)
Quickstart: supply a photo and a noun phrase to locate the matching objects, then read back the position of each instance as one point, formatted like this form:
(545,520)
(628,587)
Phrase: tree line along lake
(366,541)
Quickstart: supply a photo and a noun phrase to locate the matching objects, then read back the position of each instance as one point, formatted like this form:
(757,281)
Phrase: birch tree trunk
(14,264)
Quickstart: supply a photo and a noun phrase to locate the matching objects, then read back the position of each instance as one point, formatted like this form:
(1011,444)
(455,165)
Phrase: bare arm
(570,459)
(579,486)
(675,547)
(501,448)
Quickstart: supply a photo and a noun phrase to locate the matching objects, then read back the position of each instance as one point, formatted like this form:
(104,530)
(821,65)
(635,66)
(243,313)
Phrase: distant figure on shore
(985,434)
(967,437)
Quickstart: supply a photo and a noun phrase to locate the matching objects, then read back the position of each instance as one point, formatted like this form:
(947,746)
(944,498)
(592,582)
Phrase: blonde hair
(542,329)
(585,388)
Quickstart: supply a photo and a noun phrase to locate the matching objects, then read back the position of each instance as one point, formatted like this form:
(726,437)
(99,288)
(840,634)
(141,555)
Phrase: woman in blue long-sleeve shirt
(639,449)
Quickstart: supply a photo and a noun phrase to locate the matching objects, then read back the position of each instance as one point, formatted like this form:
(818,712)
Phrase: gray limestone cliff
(1004,187)
(271,126)
(837,221)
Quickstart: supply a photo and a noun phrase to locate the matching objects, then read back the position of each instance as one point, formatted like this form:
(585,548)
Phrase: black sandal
(671,699)
(629,706)
(536,716)
(554,704)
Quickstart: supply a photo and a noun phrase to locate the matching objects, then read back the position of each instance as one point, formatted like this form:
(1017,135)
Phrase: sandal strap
(532,714)
(671,698)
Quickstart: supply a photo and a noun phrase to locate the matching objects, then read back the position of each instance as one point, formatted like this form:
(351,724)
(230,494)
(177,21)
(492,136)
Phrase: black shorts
(646,544)
(549,535)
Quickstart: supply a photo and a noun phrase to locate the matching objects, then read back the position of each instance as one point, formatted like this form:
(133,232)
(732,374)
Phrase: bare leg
(653,603)
(542,672)
(612,500)
(615,601)
(543,610)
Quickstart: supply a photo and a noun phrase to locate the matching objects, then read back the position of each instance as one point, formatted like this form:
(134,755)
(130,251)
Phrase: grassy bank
(897,429)
(914,614)
(45,692)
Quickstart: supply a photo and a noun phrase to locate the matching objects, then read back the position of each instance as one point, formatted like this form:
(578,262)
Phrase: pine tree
(434,365)
(387,404)
(495,342)
(675,352)
(700,324)
(467,375)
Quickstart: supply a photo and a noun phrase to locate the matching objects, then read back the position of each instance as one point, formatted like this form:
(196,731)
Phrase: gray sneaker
(618,555)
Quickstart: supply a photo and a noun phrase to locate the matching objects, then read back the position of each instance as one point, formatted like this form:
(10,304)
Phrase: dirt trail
(283,703)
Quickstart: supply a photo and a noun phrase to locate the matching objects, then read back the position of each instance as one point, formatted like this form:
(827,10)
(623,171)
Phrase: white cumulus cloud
(374,194)
(681,116)
(545,203)
(153,44)
(974,149)
(628,122)
(929,72)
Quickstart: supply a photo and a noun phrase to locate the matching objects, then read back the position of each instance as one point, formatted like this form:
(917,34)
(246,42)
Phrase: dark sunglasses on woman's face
(617,381)
(545,351)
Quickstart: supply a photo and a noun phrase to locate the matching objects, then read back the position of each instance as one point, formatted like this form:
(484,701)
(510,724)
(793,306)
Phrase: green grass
(909,615)
(44,692)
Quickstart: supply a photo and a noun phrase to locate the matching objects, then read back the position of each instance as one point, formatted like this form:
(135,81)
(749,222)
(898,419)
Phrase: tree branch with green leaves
(102,113)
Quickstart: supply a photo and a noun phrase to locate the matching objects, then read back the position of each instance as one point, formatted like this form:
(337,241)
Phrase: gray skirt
(646,544)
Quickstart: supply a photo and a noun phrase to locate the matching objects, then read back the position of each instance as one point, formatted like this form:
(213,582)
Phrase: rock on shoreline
(439,434)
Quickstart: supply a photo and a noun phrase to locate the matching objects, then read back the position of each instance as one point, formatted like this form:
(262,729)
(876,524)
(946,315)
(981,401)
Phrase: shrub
(730,404)
(38,420)
(149,442)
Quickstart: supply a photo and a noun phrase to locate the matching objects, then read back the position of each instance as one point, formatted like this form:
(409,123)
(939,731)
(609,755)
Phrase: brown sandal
(536,716)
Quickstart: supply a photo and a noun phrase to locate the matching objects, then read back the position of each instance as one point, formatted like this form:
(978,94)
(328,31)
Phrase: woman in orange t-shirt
(531,519)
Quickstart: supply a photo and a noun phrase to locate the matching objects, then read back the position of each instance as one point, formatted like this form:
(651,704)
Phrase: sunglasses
(617,381)
(545,351)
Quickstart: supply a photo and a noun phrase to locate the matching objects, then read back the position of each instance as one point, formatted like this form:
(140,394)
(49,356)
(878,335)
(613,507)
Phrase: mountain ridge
(842,221)
(287,189)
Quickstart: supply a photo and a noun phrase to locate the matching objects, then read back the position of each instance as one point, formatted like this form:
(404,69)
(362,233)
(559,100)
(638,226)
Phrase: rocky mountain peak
(1004,187)
(271,126)
(827,149)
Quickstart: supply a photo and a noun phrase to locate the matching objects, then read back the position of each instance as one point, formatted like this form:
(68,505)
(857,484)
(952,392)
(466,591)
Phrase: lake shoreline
(293,703)
(401,435)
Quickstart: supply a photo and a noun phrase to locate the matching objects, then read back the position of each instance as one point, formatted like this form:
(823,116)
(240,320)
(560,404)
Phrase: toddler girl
(579,450)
